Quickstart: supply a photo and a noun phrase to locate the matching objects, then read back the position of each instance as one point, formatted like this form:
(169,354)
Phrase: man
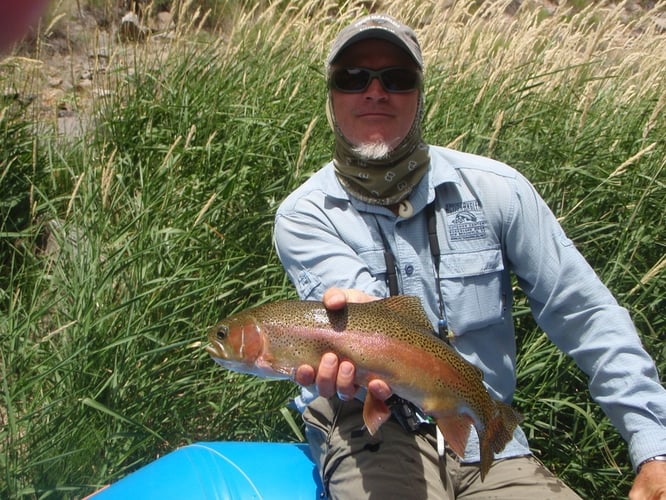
(391,215)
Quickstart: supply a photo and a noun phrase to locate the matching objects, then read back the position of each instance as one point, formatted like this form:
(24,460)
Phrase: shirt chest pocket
(471,285)
(375,261)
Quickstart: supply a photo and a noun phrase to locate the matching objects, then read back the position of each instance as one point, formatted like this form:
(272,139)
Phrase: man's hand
(334,376)
(650,484)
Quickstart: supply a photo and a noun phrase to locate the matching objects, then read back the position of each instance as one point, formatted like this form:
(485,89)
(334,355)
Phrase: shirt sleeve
(316,258)
(584,320)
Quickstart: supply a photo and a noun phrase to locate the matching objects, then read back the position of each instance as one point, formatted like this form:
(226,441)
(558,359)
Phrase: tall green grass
(157,223)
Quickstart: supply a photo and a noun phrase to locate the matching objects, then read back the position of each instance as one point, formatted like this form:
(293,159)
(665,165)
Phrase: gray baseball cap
(380,26)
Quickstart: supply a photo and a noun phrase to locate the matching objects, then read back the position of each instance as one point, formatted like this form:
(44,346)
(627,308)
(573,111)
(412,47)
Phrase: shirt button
(409,270)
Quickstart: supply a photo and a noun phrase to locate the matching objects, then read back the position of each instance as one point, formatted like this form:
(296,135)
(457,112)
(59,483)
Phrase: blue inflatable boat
(223,470)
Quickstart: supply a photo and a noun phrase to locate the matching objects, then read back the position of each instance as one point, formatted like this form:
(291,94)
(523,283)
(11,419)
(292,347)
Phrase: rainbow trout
(389,339)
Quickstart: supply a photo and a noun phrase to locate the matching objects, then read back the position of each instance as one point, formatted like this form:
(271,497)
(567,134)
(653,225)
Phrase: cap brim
(374,33)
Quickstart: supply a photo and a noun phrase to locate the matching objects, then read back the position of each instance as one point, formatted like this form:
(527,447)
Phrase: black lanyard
(391,268)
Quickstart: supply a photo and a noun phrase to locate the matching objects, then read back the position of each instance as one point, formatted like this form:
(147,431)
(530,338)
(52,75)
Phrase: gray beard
(372,151)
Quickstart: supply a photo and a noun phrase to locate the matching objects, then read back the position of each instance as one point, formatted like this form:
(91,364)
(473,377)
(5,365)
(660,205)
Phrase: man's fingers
(327,375)
(336,298)
(379,389)
(305,375)
(337,377)
(346,388)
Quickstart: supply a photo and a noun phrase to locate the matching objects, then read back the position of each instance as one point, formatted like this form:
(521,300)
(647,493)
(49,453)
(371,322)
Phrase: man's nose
(375,90)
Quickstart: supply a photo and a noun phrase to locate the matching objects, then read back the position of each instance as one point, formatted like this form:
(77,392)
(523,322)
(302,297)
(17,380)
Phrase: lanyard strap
(391,268)
(431,214)
(435,252)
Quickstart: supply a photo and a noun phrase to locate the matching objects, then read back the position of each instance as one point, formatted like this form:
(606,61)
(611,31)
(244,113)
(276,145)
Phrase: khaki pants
(398,464)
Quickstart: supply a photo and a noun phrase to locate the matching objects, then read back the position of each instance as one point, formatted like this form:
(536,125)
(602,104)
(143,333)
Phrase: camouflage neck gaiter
(389,180)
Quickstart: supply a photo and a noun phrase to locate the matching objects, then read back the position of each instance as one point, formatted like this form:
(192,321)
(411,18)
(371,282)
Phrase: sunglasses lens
(358,79)
(399,80)
(351,79)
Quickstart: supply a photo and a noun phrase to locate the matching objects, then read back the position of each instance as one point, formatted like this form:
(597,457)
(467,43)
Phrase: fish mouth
(216,350)
(219,355)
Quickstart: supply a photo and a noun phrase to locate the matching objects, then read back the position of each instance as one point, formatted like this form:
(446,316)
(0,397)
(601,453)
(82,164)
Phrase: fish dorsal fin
(479,371)
(410,308)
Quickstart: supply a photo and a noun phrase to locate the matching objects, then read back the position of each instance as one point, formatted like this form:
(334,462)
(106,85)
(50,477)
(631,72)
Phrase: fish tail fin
(497,433)
(375,413)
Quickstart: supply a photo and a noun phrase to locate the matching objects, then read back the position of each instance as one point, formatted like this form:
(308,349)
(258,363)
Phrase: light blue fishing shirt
(491,222)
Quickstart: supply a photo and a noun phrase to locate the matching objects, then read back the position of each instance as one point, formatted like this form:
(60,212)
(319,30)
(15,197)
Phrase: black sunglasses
(355,80)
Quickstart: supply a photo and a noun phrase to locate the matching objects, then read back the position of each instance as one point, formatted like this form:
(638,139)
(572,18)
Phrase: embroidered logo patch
(465,220)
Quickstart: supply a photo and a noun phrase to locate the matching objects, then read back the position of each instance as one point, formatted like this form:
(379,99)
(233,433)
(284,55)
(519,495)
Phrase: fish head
(236,341)
(239,344)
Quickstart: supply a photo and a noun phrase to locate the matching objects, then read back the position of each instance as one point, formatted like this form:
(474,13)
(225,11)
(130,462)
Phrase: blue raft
(223,470)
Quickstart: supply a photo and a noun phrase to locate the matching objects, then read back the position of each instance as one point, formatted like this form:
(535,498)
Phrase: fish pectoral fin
(455,429)
(286,371)
(375,413)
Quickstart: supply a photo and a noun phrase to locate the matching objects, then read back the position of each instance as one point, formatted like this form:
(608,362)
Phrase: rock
(84,84)
(131,29)
(163,22)
(55,81)
(660,24)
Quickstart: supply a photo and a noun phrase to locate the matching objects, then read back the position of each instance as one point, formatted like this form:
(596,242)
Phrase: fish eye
(222,332)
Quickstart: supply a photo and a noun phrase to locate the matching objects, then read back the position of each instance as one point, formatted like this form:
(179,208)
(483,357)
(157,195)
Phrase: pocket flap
(374,259)
(477,263)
